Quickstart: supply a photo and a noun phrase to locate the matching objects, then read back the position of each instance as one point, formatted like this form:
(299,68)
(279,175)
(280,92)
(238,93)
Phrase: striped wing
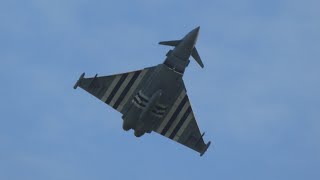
(116,90)
(180,125)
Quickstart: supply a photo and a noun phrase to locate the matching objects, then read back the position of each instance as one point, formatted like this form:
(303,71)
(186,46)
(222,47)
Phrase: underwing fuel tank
(153,100)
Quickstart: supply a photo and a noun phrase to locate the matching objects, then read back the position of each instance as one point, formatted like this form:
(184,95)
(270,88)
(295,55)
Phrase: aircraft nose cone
(185,47)
(196,30)
(193,35)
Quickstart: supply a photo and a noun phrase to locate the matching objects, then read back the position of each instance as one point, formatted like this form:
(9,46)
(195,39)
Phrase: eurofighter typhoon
(154,98)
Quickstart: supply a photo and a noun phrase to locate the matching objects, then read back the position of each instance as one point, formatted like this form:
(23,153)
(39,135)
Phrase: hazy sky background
(258,97)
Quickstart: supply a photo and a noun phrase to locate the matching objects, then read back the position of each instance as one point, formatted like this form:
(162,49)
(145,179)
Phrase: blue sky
(257,97)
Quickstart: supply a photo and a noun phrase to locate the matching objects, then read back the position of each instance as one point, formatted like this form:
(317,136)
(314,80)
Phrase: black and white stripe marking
(132,86)
(184,125)
(181,122)
(122,88)
(171,111)
(116,88)
(177,119)
(126,89)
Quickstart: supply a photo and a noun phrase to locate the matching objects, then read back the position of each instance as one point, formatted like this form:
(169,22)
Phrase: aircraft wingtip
(78,82)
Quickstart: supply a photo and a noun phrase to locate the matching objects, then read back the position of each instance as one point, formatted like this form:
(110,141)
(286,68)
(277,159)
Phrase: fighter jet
(154,98)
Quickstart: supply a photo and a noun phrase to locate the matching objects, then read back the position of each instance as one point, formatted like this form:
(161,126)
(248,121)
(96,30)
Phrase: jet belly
(138,116)
(170,83)
(150,104)
(153,100)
